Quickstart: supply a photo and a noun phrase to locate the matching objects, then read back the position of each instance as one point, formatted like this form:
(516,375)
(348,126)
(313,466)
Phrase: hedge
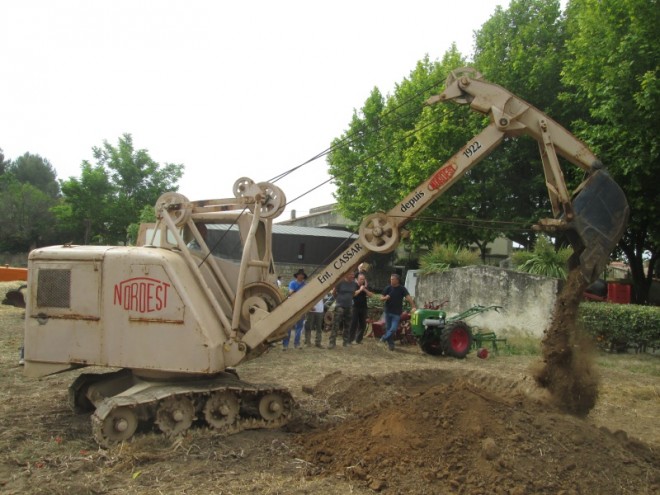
(622,325)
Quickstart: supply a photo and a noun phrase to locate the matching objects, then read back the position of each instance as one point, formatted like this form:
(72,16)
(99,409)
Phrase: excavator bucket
(600,217)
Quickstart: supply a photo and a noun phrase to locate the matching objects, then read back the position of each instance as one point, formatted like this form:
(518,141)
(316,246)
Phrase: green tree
(110,195)
(612,74)
(28,188)
(35,170)
(395,143)
(25,218)
(84,213)
(3,163)
(138,181)
(522,49)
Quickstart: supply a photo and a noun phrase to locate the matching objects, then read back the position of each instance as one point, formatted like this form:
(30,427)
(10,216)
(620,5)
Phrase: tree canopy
(611,72)
(28,188)
(393,144)
(35,170)
(594,69)
(110,195)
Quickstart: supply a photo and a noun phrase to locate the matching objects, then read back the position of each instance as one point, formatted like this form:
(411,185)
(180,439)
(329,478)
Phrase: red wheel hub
(459,340)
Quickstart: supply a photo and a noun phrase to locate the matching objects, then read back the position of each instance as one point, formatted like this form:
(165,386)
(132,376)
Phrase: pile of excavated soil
(424,432)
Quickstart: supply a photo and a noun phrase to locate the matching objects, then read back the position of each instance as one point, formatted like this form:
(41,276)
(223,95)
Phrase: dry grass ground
(353,407)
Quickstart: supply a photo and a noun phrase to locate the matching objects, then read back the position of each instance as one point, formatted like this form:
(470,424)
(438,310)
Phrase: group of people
(350,310)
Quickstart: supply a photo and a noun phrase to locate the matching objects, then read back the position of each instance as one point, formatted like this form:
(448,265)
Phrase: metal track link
(225,404)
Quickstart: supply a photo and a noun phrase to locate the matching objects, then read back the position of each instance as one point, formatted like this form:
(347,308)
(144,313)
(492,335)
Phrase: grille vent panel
(54,288)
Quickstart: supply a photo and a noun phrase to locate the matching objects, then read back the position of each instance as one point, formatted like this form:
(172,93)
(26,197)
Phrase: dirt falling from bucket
(568,370)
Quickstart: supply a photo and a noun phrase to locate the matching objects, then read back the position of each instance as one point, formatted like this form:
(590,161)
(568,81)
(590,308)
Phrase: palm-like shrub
(543,260)
(442,257)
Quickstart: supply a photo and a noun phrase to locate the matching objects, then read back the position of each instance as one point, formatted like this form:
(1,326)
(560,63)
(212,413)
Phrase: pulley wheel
(262,295)
(242,185)
(274,200)
(378,233)
(176,205)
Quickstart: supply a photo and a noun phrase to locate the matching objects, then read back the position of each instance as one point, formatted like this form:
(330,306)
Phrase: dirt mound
(424,432)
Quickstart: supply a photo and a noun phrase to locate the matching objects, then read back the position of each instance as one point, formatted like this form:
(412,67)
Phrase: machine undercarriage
(123,400)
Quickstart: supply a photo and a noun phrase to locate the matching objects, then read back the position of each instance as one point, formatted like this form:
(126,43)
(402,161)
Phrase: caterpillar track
(122,401)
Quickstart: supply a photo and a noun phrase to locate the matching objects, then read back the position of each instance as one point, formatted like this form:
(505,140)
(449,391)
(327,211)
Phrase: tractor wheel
(456,340)
(431,343)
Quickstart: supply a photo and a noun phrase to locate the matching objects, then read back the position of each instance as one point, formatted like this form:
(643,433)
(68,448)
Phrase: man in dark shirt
(343,292)
(393,295)
(360,308)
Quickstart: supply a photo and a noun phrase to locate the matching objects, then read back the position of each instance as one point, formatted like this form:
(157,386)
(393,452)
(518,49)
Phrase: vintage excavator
(172,320)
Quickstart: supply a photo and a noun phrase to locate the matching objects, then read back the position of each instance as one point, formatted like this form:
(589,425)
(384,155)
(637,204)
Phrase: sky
(229,89)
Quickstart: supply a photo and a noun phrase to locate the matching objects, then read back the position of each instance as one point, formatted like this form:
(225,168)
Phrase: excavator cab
(600,216)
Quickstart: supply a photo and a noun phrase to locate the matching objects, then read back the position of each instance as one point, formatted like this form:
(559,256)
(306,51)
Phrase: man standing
(344,292)
(314,321)
(393,295)
(360,308)
(295,285)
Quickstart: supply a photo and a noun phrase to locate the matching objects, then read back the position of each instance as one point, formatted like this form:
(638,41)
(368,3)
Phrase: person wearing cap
(295,285)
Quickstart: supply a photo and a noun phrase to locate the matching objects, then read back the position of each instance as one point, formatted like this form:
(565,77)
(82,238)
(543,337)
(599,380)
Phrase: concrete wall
(528,300)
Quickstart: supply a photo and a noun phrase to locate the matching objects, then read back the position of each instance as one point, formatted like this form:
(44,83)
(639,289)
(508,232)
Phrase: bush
(442,257)
(619,326)
(544,260)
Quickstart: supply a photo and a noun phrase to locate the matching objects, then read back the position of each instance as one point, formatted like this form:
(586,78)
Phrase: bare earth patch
(367,420)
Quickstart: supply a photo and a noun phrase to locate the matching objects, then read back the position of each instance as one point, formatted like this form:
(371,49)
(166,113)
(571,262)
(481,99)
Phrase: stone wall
(527,300)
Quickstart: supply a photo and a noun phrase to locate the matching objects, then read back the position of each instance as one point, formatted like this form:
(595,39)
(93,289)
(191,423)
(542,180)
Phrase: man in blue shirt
(393,295)
(295,285)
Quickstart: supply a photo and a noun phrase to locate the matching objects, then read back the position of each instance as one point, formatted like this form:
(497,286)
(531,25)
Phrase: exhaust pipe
(600,217)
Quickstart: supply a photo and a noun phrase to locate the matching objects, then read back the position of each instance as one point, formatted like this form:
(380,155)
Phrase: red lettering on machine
(141,294)
(442,176)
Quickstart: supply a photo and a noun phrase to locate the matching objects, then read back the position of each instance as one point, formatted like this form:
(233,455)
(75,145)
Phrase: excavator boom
(595,216)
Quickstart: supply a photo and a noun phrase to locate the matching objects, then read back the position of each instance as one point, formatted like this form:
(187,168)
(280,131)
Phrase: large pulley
(176,205)
(271,200)
(379,234)
(259,295)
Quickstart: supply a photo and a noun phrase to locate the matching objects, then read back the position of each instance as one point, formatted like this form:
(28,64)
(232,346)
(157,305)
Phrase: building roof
(280,229)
